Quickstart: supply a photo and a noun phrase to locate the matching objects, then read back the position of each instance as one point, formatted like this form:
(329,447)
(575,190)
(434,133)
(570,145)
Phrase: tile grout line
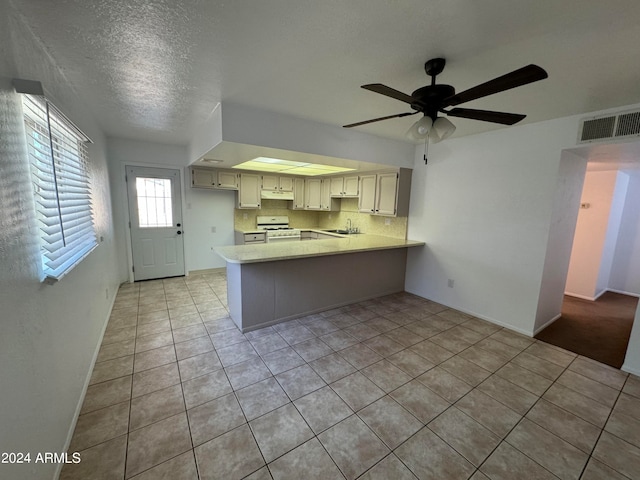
(525,416)
(361,342)
(602,430)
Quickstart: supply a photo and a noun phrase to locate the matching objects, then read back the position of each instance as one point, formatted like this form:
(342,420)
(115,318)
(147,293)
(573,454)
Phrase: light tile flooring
(393,388)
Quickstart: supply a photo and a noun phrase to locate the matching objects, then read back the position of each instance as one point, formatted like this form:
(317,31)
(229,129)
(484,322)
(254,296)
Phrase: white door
(156,222)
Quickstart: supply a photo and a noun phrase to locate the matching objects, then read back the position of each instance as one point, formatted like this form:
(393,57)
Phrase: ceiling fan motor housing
(429,98)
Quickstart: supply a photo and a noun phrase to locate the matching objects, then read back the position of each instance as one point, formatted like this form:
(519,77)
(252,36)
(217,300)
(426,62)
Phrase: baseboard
(542,327)
(521,331)
(583,297)
(628,369)
(86,385)
(593,299)
(208,271)
(622,292)
(600,294)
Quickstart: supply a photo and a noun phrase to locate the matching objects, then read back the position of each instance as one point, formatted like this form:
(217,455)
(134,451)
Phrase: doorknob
(179,232)
(177,225)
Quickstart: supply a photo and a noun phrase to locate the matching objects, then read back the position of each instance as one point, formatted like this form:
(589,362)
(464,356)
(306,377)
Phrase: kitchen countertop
(315,229)
(269,252)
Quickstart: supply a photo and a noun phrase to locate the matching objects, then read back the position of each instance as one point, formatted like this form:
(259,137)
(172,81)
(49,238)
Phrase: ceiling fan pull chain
(426,149)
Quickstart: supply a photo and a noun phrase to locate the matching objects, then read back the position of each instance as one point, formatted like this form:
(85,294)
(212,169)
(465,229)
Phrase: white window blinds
(59,165)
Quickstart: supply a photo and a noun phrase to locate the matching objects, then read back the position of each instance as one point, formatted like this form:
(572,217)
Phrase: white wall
(484,205)
(245,125)
(207,209)
(563,220)
(613,230)
(632,358)
(201,209)
(625,269)
(590,236)
(50,333)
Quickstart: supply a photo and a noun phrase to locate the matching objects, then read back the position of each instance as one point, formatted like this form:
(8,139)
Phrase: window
(58,156)
(154,202)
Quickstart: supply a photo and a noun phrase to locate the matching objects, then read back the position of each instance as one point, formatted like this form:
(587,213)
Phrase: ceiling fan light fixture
(420,130)
(442,128)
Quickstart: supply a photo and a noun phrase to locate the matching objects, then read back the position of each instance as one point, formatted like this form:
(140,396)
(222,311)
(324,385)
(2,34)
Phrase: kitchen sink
(341,232)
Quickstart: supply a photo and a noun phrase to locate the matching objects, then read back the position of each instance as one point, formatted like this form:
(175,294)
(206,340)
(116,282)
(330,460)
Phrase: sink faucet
(349,225)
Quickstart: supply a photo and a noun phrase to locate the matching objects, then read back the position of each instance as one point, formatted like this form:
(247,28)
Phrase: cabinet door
(286,184)
(337,186)
(270,182)
(386,194)
(325,198)
(350,186)
(312,194)
(367,201)
(249,191)
(298,194)
(227,180)
(202,178)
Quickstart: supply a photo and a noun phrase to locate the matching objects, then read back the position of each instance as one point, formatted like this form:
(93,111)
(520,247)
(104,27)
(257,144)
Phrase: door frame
(124,205)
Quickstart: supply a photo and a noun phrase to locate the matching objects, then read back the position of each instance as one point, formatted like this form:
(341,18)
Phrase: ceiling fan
(432,99)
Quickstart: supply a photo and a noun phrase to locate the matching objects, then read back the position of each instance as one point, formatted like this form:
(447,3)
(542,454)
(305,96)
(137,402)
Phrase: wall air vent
(609,127)
(628,124)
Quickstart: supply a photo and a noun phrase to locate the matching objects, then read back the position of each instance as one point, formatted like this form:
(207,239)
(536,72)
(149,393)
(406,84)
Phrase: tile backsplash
(372,224)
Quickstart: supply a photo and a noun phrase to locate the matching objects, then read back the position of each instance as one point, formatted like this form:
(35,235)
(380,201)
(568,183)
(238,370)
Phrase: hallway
(598,330)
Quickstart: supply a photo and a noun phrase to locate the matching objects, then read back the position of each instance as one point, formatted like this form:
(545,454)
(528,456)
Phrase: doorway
(596,320)
(155,225)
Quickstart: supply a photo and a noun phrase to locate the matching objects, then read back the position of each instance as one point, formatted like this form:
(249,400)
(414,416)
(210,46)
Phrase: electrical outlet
(213,229)
(450,283)
(387,221)
(245,216)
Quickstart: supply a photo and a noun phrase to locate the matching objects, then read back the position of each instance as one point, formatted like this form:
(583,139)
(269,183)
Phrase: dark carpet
(599,330)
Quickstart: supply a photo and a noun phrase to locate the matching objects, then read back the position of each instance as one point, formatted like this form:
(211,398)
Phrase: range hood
(276,195)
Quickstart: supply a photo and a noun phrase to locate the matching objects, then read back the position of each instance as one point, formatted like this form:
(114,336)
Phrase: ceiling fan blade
(379,119)
(517,78)
(486,115)
(389,92)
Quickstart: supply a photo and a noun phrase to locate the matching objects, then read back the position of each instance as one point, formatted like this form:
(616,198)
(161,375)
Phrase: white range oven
(277,228)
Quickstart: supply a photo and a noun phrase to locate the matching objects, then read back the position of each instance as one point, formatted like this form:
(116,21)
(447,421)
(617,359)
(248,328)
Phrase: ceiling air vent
(610,127)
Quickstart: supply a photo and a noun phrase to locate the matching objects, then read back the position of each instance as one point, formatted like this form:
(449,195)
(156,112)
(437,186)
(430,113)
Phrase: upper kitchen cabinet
(274,182)
(328,203)
(227,180)
(344,186)
(386,193)
(249,191)
(210,178)
(298,194)
(313,194)
(203,178)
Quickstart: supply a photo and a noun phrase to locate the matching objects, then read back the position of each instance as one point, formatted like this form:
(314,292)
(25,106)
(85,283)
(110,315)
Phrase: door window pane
(154,202)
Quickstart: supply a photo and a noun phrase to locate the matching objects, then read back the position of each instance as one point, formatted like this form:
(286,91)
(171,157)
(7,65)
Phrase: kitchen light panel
(276,165)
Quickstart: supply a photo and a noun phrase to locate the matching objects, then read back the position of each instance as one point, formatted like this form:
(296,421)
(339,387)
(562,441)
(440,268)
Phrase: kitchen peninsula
(274,282)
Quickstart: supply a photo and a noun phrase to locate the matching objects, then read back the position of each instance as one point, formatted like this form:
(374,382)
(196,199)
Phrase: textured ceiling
(154,69)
